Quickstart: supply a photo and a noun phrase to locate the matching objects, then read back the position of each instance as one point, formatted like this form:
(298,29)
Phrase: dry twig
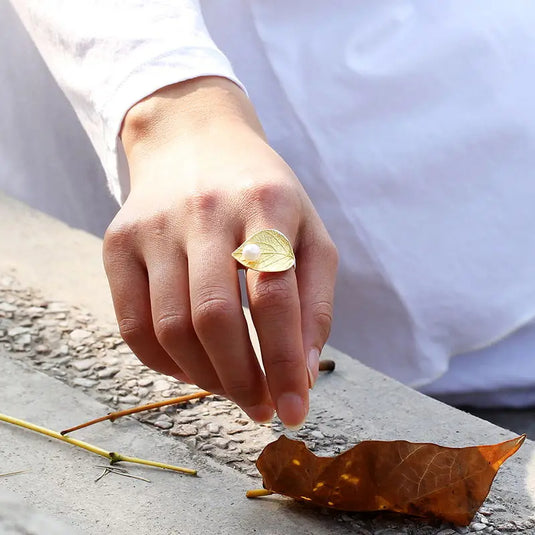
(113,456)
(112,416)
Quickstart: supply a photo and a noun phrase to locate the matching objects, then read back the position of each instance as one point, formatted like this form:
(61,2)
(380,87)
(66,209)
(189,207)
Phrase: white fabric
(410,123)
(109,54)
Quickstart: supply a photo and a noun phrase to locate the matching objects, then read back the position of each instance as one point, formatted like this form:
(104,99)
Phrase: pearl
(251,252)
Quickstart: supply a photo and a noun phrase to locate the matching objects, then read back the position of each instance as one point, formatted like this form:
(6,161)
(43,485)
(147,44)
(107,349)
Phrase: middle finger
(220,324)
(275,309)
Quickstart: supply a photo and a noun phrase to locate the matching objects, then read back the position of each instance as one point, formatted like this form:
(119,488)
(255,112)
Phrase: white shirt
(410,124)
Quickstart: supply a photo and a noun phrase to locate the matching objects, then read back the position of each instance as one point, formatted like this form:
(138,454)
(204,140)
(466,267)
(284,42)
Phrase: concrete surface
(65,264)
(17,518)
(518,420)
(61,479)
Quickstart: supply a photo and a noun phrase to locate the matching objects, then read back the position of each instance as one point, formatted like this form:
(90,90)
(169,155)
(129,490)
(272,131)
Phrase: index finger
(276,313)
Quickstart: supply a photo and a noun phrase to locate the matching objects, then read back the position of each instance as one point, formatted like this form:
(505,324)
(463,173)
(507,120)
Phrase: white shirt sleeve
(106,55)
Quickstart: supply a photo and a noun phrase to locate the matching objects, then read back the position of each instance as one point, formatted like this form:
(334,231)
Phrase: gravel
(67,343)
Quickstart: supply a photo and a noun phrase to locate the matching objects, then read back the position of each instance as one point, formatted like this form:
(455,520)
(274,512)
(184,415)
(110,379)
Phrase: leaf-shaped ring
(268,251)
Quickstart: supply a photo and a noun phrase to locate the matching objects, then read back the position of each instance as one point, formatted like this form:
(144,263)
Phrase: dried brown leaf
(419,479)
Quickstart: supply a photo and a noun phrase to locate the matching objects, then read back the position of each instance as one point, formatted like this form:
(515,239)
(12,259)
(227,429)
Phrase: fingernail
(261,414)
(291,410)
(313,364)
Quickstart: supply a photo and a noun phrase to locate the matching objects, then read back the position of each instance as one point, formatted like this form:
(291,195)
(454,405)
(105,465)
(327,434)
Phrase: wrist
(185,110)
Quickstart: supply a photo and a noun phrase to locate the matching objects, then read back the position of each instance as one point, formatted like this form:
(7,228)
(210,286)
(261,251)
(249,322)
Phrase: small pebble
(35,312)
(161,384)
(110,360)
(62,360)
(221,443)
(23,340)
(163,424)
(57,307)
(17,331)
(107,373)
(108,384)
(62,350)
(477,526)
(130,399)
(84,383)
(186,430)
(213,428)
(78,335)
(83,365)
(146,381)
(142,392)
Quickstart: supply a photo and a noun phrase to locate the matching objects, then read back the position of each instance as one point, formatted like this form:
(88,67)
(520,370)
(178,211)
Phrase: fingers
(220,325)
(179,308)
(171,316)
(130,292)
(276,313)
(316,275)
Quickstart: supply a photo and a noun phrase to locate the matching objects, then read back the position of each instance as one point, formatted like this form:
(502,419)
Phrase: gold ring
(268,251)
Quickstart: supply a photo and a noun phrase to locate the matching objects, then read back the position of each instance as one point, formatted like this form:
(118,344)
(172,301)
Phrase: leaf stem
(114,457)
(258,493)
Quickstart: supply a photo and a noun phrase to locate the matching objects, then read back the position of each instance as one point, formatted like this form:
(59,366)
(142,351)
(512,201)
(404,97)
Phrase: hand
(203,179)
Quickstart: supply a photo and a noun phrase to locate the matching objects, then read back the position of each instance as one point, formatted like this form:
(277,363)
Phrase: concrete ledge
(64,264)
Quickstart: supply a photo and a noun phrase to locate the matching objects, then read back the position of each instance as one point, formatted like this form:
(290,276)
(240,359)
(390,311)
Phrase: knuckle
(291,362)
(269,197)
(213,386)
(136,334)
(126,234)
(171,327)
(132,331)
(202,202)
(158,224)
(323,248)
(322,316)
(211,310)
(241,392)
(118,237)
(272,292)
(165,366)
(331,254)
